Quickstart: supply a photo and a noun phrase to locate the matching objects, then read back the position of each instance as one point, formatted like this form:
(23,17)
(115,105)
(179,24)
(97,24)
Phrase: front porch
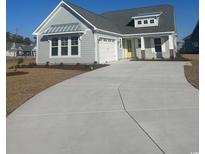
(150,47)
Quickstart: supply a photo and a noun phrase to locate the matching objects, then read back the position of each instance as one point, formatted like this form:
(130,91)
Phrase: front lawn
(24,83)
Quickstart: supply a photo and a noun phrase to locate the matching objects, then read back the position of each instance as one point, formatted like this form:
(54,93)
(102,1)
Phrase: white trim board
(147,16)
(64,33)
(144,34)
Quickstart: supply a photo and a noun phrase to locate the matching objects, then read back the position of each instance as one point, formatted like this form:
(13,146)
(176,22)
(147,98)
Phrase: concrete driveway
(129,107)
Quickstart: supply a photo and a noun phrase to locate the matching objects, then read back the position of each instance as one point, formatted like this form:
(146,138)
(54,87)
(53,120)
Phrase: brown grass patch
(192,72)
(22,87)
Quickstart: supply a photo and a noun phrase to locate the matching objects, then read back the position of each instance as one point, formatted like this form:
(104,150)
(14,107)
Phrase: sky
(25,15)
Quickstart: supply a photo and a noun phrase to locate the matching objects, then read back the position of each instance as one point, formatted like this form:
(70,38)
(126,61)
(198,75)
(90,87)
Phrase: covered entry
(129,48)
(107,50)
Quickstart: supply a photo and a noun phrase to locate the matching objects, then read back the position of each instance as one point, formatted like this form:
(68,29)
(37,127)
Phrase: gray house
(18,49)
(71,34)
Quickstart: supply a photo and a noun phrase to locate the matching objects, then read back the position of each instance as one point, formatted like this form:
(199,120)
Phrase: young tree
(27,41)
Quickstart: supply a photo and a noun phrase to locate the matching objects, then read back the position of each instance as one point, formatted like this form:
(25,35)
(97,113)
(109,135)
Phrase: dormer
(147,19)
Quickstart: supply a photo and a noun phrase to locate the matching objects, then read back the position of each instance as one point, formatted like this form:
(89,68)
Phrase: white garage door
(107,50)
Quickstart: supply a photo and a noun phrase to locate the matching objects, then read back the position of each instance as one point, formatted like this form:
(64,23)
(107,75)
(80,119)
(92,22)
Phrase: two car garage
(107,50)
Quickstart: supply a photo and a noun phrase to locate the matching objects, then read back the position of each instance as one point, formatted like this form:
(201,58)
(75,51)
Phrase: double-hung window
(74,46)
(64,46)
(139,22)
(151,21)
(54,48)
(145,22)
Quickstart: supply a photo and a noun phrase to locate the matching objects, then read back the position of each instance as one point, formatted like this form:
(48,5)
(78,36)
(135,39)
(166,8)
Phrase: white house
(71,34)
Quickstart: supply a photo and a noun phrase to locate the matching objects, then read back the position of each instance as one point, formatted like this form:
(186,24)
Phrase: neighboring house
(9,51)
(28,50)
(13,49)
(179,46)
(19,49)
(71,34)
(191,42)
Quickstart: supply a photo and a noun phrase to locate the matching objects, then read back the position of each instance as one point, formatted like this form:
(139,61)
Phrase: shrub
(20,61)
(47,63)
(77,64)
(95,62)
(91,68)
(11,67)
(61,64)
(31,64)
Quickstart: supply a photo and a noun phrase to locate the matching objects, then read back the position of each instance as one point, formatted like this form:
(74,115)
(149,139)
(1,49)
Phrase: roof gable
(121,22)
(55,12)
(123,19)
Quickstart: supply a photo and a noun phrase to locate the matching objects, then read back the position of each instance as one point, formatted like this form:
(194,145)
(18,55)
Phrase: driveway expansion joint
(147,134)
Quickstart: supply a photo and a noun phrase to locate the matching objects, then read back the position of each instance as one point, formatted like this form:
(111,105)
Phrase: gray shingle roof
(27,48)
(71,27)
(96,19)
(148,13)
(121,22)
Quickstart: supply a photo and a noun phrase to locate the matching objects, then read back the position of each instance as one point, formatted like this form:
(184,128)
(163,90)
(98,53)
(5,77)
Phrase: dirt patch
(16,73)
(192,72)
(22,87)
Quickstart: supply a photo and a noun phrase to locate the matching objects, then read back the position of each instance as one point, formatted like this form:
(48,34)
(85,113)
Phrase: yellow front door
(129,52)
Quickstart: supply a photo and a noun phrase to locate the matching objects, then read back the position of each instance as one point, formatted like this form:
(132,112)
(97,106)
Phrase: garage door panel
(107,50)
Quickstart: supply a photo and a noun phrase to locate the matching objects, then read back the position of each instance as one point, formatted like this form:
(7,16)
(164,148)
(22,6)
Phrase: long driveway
(129,107)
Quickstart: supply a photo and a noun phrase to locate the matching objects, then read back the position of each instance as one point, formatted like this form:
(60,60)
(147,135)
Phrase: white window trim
(62,46)
(69,48)
(148,24)
(78,48)
(163,45)
(50,47)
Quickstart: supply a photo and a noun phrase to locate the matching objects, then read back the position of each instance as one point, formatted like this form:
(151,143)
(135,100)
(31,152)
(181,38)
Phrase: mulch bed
(62,66)
(178,58)
(16,73)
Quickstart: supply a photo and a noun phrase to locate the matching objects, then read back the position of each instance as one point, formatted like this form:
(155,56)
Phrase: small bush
(91,68)
(61,64)
(31,64)
(23,66)
(77,64)
(47,63)
(11,67)
(20,61)
(95,62)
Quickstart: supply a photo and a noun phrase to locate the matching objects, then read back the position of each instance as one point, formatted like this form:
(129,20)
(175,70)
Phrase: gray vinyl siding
(87,53)
(87,46)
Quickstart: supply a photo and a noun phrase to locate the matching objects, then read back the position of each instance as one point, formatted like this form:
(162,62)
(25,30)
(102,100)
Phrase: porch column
(171,42)
(142,43)
(171,46)
(142,48)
